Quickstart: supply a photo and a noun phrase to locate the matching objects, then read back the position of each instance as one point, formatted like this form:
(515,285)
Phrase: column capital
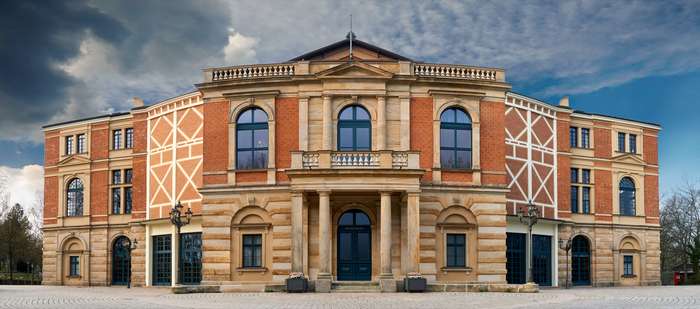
(323,192)
(385,193)
(297,193)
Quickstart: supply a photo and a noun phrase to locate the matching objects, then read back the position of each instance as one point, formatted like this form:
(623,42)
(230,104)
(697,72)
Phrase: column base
(387,283)
(323,285)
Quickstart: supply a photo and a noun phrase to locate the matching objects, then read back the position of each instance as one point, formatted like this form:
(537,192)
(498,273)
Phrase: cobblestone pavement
(121,298)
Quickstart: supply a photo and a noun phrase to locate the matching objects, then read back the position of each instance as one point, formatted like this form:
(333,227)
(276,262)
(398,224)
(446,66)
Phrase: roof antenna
(350,37)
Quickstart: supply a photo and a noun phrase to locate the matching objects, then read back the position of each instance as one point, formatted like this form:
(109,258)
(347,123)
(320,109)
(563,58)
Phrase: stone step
(355,287)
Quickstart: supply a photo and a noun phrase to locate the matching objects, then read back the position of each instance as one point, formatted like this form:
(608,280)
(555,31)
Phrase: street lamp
(177,220)
(566,245)
(130,246)
(529,218)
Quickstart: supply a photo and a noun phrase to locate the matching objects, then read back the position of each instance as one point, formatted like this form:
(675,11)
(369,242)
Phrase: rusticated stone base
(477,287)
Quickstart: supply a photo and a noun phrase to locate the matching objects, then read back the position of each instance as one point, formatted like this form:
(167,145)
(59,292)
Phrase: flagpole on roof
(351,37)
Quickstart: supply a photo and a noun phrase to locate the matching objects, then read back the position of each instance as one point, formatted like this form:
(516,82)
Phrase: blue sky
(72,59)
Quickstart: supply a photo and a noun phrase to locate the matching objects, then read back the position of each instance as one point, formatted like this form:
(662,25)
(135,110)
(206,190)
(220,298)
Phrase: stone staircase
(355,287)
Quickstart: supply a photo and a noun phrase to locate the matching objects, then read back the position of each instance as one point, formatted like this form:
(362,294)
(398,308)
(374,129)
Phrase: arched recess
(240,105)
(251,245)
(120,260)
(456,245)
(73,260)
(371,212)
(471,107)
(581,258)
(630,259)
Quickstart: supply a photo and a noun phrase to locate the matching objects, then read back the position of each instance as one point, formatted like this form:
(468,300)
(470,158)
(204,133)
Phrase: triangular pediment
(73,160)
(355,70)
(340,51)
(628,158)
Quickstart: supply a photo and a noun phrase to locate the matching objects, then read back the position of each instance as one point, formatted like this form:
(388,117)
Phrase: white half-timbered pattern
(531,154)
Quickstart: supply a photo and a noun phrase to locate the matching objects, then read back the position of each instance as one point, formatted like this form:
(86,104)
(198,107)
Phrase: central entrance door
(354,246)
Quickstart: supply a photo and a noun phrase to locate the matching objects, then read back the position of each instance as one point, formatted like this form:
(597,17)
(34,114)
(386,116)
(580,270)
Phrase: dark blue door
(542,259)
(515,258)
(580,261)
(354,246)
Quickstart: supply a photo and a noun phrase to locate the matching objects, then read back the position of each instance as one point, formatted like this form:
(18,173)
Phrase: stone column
(386,278)
(381,123)
(304,124)
(413,231)
(297,232)
(327,123)
(405,123)
(323,282)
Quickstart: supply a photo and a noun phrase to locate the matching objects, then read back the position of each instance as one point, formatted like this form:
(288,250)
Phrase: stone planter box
(415,285)
(297,285)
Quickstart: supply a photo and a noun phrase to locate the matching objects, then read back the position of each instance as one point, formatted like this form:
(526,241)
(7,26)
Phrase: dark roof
(346,42)
(85,119)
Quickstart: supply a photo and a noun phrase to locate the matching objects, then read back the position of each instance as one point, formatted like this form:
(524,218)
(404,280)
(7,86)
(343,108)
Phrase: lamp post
(529,218)
(177,220)
(129,246)
(566,246)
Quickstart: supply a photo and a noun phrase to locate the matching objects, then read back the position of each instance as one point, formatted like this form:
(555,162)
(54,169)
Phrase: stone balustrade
(250,71)
(457,71)
(384,159)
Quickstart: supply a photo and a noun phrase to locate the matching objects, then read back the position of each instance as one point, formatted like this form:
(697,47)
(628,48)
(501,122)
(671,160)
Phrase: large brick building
(351,165)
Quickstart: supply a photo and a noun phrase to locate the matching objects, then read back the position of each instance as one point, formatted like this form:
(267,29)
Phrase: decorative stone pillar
(327,123)
(405,123)
(386,278)
(297,232)
(381,123)
(304,124)
(175,256)
(413,231)
(323,281)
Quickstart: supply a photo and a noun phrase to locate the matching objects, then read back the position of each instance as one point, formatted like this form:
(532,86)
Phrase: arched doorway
(580,261)
(354,246)
(121,260)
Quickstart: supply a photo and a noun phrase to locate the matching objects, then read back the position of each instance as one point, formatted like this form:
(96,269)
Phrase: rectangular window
(116,177)
(628,265)
(574,199)
(69,145)
(129,138)
(585,176)
(127,200)
(633,143)
(574,175)
(81,143)
(585,138)
(162,263)
(456,250)
(252,251)
(74,266)
(586,200)
(117,139)
(128,175)
(116,200)
(573,137)
(621,142)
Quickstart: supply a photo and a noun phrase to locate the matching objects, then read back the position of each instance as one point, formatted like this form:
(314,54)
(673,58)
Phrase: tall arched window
(74,198)
(627,197)
(354,129)
(455,139)
(251,139)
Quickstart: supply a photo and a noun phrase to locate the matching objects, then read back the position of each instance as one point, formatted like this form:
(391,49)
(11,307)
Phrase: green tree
(15,238)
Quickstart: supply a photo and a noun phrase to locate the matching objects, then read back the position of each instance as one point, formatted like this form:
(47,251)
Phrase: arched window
(251,139)
(627,197)
(74,198)
(354,129)
(455,139)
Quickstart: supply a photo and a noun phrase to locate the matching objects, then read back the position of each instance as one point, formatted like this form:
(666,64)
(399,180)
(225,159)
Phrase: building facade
(351,164)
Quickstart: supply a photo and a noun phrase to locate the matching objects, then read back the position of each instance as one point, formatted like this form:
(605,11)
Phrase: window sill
(629,276)
(456,269)
(73,277)
(252,170)
(458,170)
(252,269)
(583,148)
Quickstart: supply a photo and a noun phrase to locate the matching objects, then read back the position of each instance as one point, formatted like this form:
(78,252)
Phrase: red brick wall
(563,165)
(51,148)
(251,177)
(50,199)
(493,143)
(215,141)
(422,133)
(286,133)
(602,142)
(651,198)
(99,195)
(99,141)
(651,147)
(138,206)
(603,191)
(456,176)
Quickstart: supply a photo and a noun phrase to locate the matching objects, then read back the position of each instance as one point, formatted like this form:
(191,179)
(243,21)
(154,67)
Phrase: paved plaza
(118,297)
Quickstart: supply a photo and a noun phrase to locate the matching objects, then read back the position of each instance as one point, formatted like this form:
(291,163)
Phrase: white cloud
(23,185)
(240,49)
